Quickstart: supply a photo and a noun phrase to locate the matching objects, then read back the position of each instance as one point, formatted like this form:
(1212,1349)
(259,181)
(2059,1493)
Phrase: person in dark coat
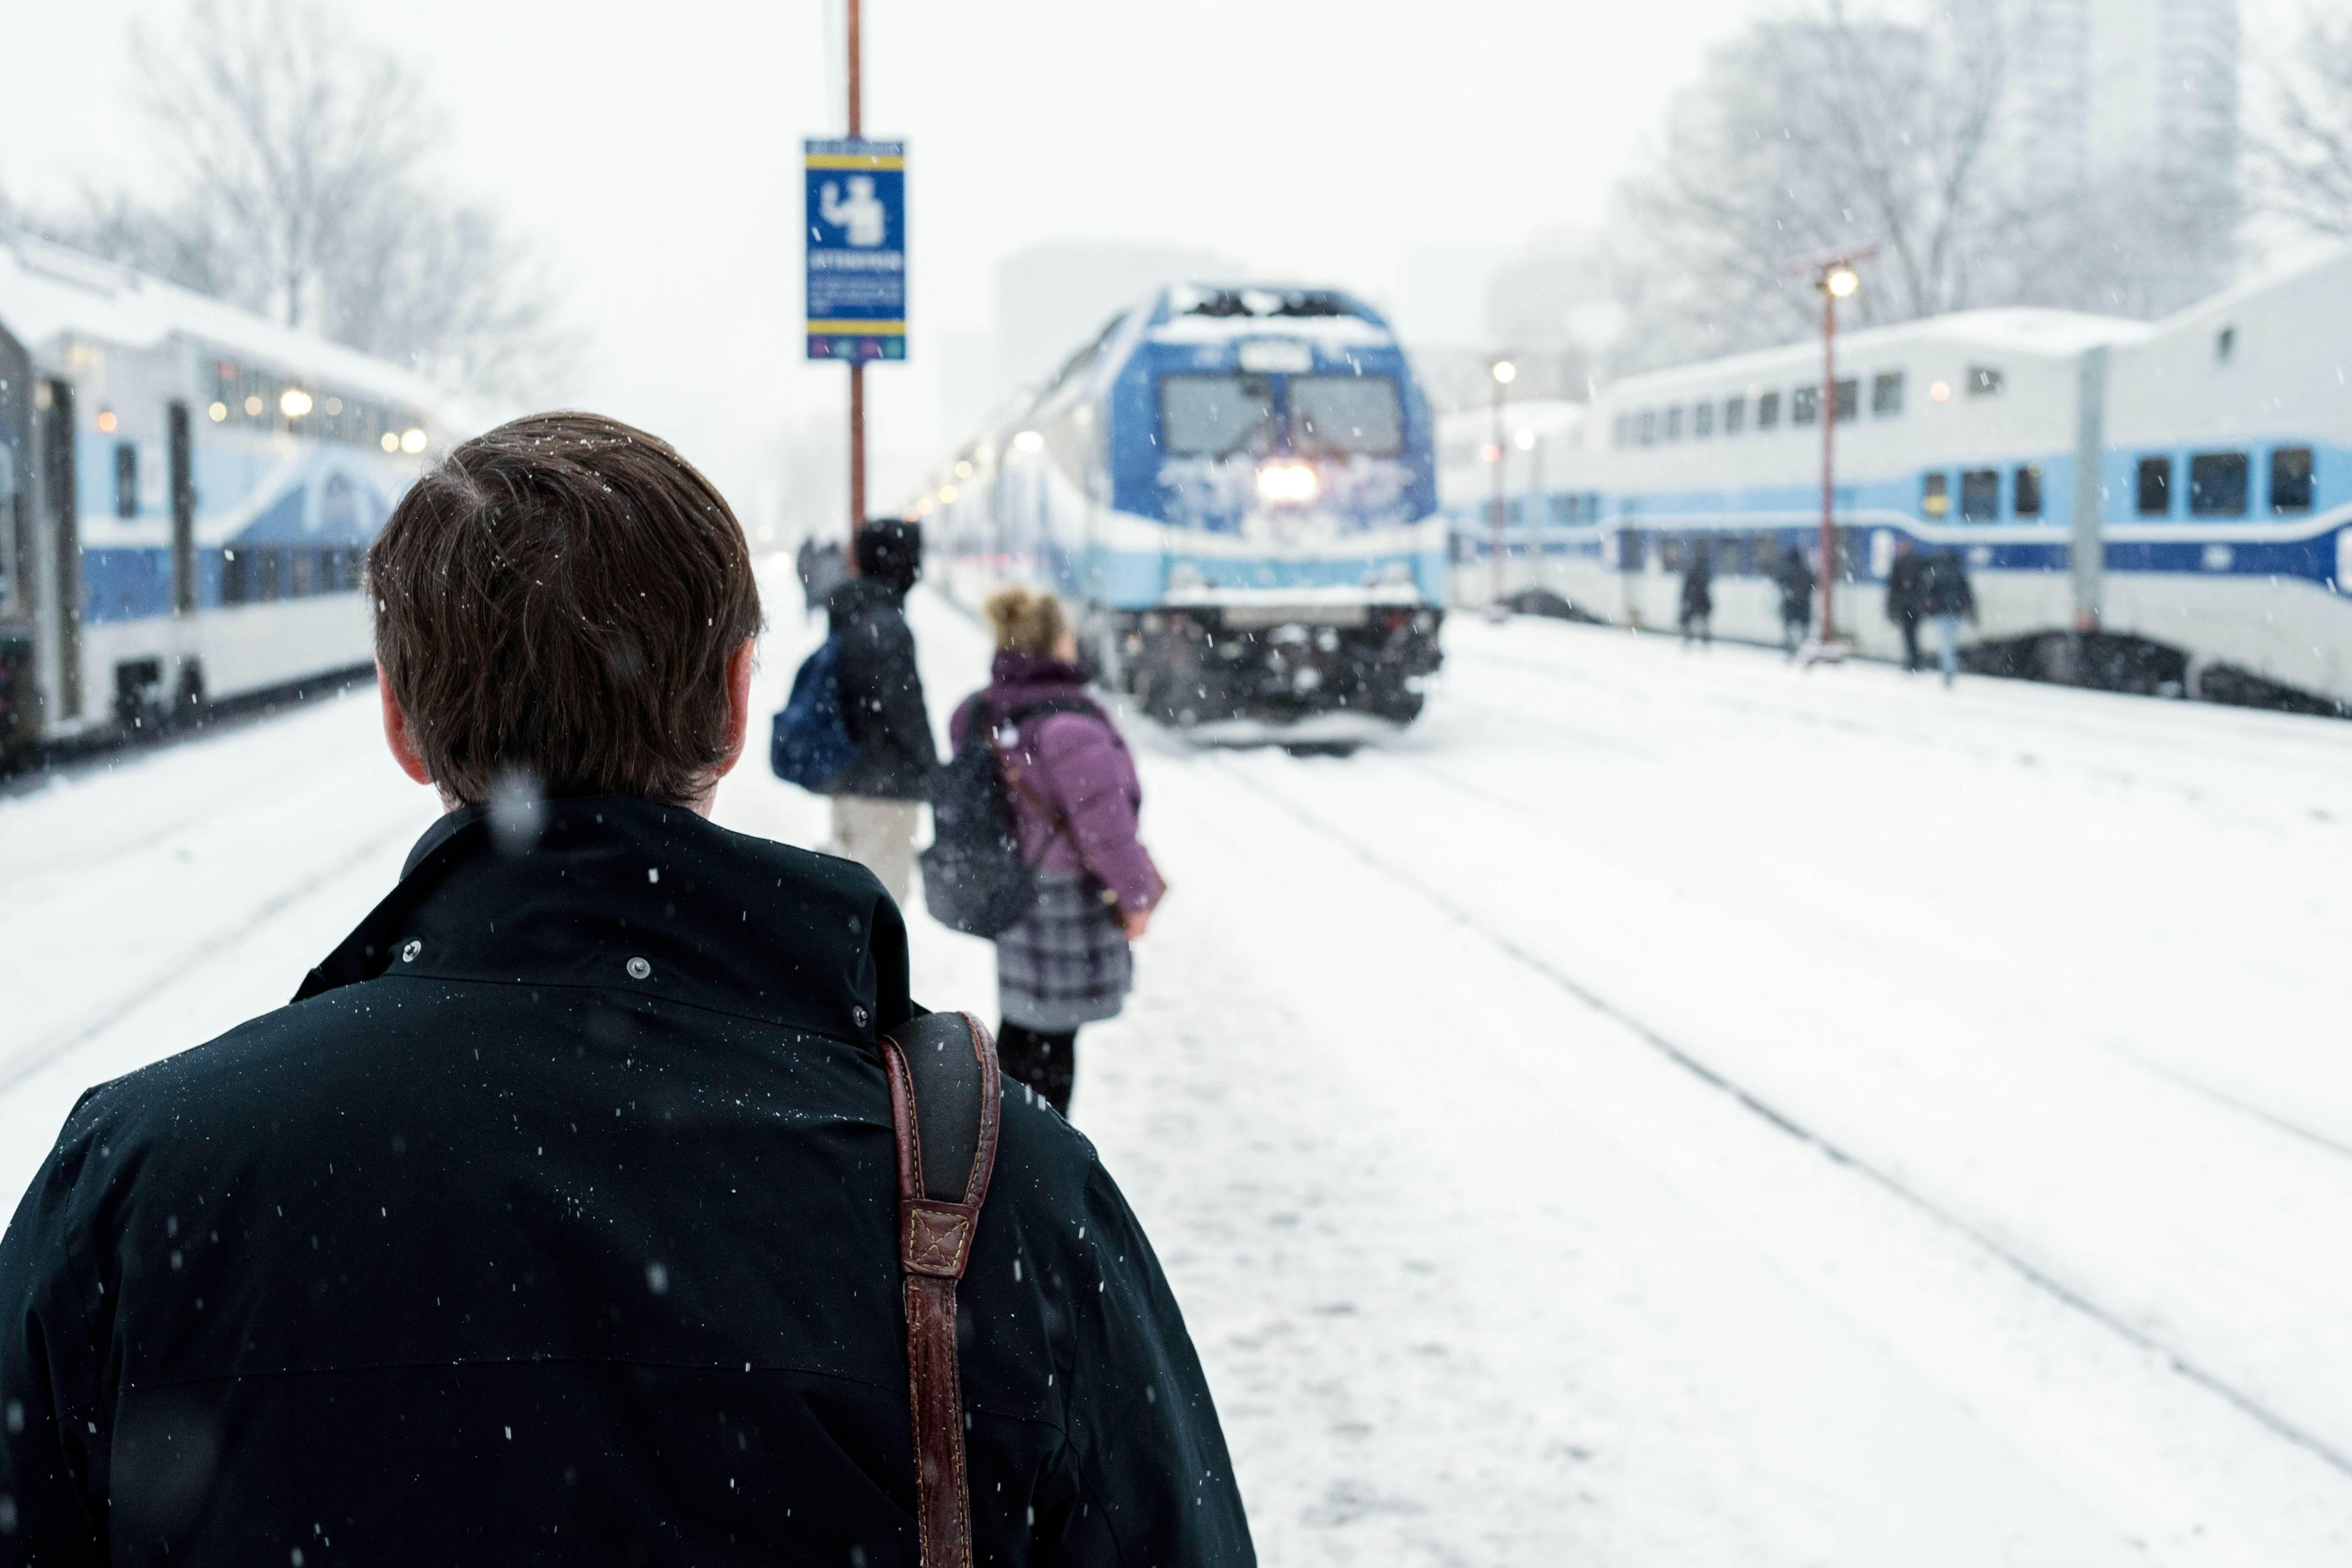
(1946,597)
(1075,802)
(1797,583)
(1698,595)
(878,802)
(1907,600)
(555,1220)
(821,570)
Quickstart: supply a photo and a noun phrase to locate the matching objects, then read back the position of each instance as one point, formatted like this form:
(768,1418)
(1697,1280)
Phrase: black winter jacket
(1906,588)
(1946,590)
(555,1224)
(881,694)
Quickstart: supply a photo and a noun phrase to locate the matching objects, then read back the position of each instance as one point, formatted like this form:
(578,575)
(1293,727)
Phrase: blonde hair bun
(1026,621)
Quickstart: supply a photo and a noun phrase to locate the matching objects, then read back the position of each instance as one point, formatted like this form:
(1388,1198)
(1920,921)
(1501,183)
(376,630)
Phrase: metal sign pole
(856,202)
(857,367)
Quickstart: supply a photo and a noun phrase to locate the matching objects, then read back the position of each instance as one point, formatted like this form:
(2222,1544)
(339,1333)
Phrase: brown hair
(559,599)
(1026,621)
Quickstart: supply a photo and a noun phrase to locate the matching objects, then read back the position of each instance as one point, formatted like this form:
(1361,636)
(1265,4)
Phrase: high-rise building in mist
(2132,104)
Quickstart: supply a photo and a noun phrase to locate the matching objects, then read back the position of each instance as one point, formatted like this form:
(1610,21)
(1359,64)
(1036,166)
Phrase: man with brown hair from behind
(555,1218)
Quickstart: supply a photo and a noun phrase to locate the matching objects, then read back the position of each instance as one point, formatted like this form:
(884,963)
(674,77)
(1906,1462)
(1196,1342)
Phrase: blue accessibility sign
(857,250)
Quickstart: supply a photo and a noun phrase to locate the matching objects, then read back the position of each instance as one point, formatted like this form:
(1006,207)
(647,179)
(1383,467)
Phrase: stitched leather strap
(932,1064)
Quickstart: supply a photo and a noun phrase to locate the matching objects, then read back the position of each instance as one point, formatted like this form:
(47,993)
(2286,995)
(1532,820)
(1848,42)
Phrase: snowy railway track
(1786,1122)
(22,1064)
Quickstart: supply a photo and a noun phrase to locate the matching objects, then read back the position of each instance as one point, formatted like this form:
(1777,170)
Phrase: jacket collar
(632,895)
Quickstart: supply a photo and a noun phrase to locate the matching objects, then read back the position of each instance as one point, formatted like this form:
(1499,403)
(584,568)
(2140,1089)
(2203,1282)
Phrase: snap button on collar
(408,954)
(639,969)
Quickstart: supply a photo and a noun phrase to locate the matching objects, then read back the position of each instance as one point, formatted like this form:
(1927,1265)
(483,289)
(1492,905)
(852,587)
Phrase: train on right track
(2161,507)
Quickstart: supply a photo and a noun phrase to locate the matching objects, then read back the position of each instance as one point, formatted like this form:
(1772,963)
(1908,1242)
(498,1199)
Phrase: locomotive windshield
(1346,414)
(1216,415)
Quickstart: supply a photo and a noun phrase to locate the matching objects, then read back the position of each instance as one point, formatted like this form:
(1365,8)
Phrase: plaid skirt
(1067,963)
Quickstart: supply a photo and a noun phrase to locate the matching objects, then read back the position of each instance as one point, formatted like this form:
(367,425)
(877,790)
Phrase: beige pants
(880,835)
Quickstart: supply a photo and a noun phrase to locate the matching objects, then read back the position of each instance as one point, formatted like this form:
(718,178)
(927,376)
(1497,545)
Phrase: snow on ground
(1481,1272)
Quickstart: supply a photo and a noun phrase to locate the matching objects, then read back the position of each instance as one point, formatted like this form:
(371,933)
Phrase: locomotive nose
(1286,482)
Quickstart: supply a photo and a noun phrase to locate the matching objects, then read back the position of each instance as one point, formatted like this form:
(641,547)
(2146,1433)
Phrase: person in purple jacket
(1074,797)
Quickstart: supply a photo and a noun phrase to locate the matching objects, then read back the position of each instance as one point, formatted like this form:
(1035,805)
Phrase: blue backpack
(809,745)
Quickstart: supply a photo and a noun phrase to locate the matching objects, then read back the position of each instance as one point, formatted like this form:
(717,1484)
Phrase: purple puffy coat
(1078,763)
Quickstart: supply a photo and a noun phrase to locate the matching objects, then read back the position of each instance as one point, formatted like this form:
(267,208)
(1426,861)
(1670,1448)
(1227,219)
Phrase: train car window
(1649,428)
(1619,428)
(1731,556)
(268,583)
(306,574)
(2217,484)
(1768,410)
(1804,406)
(1674,424)
(1670,552)
(2290,477)
(126,479)
(1764,550)
(1346,414)
(2025,500)
(1980,495)
(1628,551)
(1849,399)
(1702,419)
(1986,381)
(2155,487)
(1561,510)
(1735,414)
(1887,394)
(1215,416)
(1935,495)
(235,566)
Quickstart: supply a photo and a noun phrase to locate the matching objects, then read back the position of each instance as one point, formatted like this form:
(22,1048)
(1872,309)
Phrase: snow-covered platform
(1664,1108)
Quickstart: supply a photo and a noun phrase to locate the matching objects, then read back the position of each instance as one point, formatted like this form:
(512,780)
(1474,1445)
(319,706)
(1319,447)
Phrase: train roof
(1218,312)
(49,292)
(2010,330)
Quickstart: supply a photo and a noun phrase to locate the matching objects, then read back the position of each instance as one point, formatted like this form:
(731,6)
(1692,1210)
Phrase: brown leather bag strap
(943,1083)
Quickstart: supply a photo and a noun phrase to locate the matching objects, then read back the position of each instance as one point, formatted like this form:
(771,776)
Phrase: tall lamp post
(857,367)
(1835,278)
(1505,373)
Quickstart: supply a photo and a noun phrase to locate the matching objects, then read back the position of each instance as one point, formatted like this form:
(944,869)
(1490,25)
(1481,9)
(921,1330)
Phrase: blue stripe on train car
(125,583)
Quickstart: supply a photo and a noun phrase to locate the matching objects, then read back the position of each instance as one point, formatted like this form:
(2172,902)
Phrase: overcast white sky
(654,151)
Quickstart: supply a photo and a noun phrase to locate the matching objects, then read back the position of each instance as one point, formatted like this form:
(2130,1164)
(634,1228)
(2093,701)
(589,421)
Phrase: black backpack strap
(945,1104)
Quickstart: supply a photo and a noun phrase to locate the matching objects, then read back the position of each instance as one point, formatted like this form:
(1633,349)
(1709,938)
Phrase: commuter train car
(1236,487)
(185,494)
(2163,506)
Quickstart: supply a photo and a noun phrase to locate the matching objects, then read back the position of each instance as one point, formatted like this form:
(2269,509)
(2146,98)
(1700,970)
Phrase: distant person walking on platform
(1947,597)
(1797,584)
(877,803)
(1906,598)
(1698,596)
(1074,797)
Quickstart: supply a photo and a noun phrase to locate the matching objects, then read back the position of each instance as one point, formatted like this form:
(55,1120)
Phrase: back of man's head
(889,550)
(559,599)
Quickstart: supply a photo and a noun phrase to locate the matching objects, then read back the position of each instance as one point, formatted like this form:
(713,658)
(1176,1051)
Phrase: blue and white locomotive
(1236,488)
(2161,506)
(186,492)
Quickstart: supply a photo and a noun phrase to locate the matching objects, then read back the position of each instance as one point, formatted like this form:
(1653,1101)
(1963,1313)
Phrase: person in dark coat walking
(555,1220)
(1946,597)
(1906,599)
(1797,583)
(1075,802)
(1698,595)
(878,802)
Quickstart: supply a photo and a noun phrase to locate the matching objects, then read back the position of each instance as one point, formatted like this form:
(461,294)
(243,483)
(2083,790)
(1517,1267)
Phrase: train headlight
(412,441)
(294,402)
(1282,482)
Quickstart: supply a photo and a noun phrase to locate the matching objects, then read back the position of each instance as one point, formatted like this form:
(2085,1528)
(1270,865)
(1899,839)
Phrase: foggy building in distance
(1048,299)
(2134,104)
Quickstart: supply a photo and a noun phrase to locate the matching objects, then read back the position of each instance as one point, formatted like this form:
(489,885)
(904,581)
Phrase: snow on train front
(1236,488)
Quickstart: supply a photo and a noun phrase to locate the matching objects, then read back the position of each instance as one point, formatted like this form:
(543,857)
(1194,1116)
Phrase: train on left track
(186,493)
(1235,487)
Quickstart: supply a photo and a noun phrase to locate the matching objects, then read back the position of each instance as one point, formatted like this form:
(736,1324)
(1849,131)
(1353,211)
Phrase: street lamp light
(1505,373)
(1835,278)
